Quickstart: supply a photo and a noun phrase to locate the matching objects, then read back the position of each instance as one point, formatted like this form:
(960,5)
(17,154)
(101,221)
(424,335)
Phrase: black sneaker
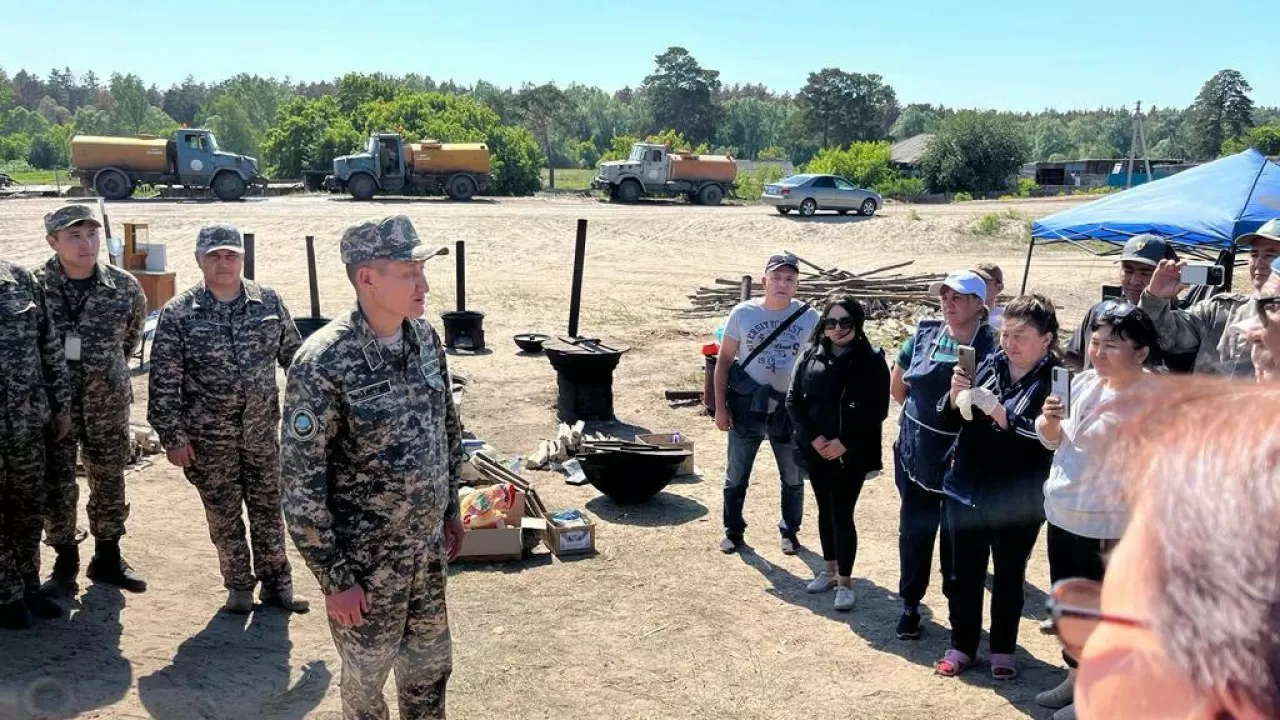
(909,626)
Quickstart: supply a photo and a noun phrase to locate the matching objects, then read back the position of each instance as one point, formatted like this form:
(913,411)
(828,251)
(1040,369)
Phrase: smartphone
(1112,292)
(968,358)
(1214,275)
(1062,389)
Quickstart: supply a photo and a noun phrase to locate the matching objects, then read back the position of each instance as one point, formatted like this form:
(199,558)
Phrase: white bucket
(156,257)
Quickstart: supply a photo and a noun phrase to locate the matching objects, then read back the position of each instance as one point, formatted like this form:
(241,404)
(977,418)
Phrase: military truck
(389,165)
(114,167)
(655,171)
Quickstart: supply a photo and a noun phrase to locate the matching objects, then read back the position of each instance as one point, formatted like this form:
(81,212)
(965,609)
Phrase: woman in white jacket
(1087,515)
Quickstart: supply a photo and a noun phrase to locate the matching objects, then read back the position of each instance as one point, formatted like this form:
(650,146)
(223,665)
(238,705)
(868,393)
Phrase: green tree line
(838,119)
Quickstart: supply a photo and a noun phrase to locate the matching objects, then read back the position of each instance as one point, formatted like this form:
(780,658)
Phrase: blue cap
(965,283)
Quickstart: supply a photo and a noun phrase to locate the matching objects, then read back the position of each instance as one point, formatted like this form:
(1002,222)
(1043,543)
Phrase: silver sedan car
(808,194)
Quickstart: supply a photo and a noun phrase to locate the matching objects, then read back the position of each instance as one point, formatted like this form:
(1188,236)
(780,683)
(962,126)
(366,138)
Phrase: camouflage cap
(1270,230)
(68,215)
(218,237)
(391,238)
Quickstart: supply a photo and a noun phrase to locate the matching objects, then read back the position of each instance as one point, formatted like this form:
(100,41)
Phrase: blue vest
(924,435)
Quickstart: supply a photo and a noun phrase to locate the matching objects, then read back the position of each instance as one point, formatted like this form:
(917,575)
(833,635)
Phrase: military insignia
(369,392)
(373,355)
(302,424)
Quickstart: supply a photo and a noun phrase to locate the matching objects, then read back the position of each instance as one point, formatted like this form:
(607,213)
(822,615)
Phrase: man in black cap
(1141,255)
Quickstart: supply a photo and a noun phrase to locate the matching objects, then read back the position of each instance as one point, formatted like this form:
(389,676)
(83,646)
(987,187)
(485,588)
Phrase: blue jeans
(745,437)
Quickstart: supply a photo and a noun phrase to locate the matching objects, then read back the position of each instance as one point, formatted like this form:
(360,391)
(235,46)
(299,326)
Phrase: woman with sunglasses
(1087,513)
(1186,623)
(838,400)
(994,502)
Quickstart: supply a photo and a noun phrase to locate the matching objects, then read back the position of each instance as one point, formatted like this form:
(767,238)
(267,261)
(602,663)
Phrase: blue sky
(976,53)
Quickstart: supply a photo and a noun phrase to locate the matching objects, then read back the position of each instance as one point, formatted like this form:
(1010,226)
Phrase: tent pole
(1026,269)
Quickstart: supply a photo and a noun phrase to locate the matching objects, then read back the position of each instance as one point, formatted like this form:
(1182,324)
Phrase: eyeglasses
(1074,607)
(1268,308)
(1117,309)
(845,323)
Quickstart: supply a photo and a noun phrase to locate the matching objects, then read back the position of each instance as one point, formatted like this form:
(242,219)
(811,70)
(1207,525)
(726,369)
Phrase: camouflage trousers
(407,627)
(229,480)
(103,443)
(22,491)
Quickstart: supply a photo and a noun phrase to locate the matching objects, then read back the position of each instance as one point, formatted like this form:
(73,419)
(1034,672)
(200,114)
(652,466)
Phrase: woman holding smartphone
(1087,513)
(838,399)
(994,502)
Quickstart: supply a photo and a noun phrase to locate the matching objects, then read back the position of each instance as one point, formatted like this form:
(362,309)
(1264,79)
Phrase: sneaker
(730,545)
(821,582)
(844,598)
(1066,713)
(1059,697)
(240,602)
(909,626)
(790,546)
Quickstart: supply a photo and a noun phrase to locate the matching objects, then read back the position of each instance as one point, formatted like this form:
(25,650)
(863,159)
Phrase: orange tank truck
(653,170)
(114,167)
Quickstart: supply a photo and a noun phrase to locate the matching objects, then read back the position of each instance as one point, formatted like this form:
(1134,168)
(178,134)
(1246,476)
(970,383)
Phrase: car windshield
(796,180)
(637,153)
(373,146)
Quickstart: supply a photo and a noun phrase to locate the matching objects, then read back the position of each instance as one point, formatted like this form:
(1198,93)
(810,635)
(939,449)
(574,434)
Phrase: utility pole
(1139,136)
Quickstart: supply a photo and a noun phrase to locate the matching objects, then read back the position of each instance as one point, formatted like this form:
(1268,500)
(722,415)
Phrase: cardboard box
(667,440)
(497,543)
(576,540)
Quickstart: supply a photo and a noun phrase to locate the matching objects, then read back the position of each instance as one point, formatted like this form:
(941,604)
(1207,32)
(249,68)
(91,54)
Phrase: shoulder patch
(302,424)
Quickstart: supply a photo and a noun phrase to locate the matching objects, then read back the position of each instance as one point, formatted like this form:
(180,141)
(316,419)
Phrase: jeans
(1075,556)
(748,431)
(919,518)
(836,487)
(977,537)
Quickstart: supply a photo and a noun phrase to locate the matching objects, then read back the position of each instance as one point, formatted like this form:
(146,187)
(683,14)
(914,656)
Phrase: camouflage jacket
(370,450)
(35,384)
(109,324)
(213,368)
(1203,329)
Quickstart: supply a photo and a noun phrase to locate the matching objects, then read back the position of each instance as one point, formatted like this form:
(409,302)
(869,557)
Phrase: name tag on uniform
(71,347)
(369,392)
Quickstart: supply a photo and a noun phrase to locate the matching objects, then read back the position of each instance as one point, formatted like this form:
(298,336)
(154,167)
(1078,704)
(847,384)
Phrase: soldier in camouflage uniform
(371,453)
(214,402)
(34,389)
(1204,328)
(98,312)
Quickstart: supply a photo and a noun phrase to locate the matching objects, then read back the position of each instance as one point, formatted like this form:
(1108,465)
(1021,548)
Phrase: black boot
(15,616)
(109,566)
(62,583)
(41,606)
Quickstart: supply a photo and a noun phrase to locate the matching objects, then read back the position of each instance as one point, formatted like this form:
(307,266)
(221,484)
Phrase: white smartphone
(1062,389)
(1214,275)
(968,359)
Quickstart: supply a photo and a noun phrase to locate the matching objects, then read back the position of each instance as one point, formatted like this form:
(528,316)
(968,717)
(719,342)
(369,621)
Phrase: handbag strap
(774,335)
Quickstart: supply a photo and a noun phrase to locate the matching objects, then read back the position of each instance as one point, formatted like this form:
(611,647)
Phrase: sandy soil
(659,624)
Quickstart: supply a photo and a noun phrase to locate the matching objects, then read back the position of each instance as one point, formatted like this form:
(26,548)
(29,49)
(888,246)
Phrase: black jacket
(845,397)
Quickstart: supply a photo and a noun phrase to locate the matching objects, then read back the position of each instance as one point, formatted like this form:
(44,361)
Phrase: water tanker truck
(389,164)
(115,166)
(654,171)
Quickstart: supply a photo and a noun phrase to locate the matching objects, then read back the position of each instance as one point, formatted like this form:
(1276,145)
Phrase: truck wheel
(362,187)
(228,186)
(461,187)
(112,185)
(710,195)
(629,191)
(808,207)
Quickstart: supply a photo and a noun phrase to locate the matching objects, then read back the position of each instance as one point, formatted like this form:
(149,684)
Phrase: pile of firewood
(882,295)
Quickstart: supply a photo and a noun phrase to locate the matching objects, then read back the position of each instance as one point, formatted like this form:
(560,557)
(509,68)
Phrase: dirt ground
(659,624)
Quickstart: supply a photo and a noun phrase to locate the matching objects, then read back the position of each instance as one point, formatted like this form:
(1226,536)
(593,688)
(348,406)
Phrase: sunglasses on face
(1117,309)
(1268,308)
(844,323)
(1074,607)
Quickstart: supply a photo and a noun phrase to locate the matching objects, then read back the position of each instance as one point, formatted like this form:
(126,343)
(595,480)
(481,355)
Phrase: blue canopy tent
(1201,210)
